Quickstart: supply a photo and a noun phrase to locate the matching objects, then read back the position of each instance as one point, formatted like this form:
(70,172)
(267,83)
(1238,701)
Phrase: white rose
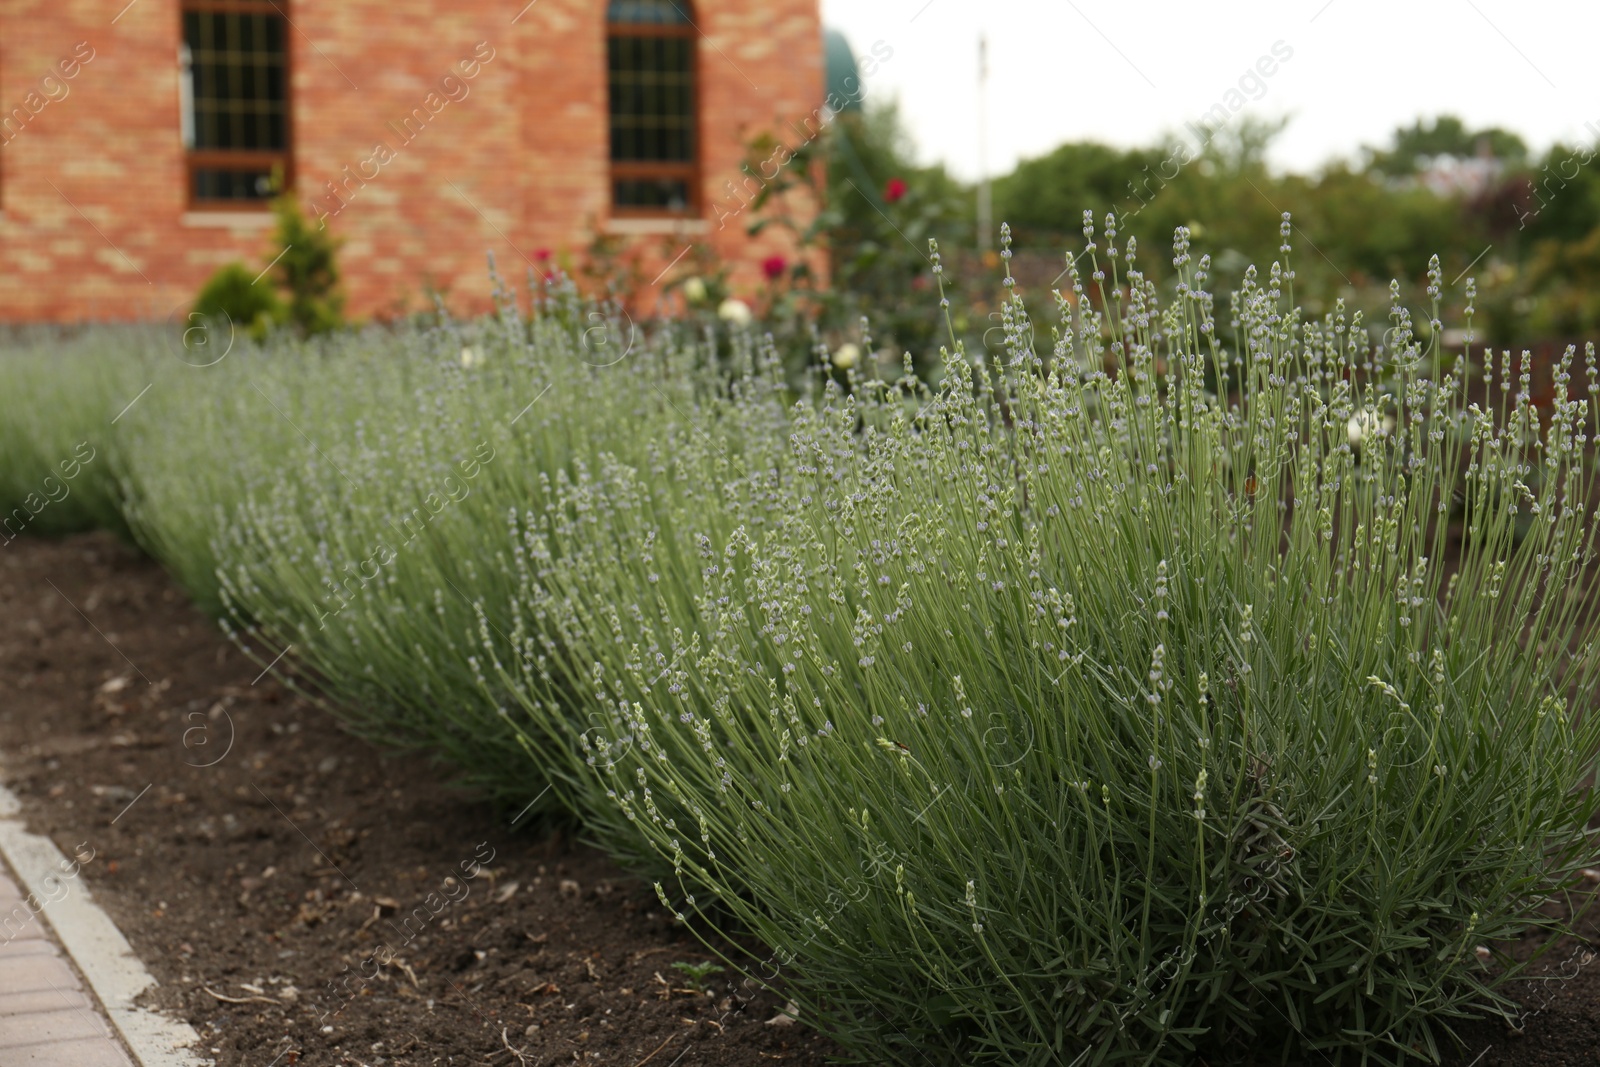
(846,356)
(1367,422)
(694,291)
(735,311)
(469,358)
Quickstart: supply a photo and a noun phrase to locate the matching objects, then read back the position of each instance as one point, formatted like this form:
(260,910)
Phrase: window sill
(631,226)
(232,220)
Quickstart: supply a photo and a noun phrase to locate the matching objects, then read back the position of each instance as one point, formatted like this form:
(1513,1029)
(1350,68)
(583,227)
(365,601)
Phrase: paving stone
(29,974)
(46,999)
(26,946)
(19,922)
(85,1052)
(46,1017)
(36,1028)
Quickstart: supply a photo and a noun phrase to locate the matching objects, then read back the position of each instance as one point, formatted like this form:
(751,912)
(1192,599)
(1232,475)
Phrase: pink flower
(773,267)
(541,254)
(895,189)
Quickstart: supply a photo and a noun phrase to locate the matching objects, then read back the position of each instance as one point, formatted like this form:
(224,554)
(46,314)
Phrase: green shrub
(358,491)
(302,263)
(235,295)
(307,269)
(1075,716)
(61,394)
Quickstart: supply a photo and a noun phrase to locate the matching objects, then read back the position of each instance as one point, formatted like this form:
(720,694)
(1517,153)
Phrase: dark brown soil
(264,864)
(266,890)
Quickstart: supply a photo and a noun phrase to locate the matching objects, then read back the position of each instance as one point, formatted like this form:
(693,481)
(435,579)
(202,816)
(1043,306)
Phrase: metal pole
(985,202)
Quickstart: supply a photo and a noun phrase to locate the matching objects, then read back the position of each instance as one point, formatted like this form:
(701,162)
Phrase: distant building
(137,142)
(1469,177)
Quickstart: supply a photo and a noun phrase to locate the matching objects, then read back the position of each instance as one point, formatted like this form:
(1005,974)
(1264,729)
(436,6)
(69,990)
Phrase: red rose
(541,254)
(773,267)
(894,190)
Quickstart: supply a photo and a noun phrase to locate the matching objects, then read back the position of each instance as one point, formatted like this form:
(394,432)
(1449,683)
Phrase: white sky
(1123,72)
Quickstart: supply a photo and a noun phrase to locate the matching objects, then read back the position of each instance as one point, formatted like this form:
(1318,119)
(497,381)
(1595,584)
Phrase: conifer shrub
(307,269)
(298,284)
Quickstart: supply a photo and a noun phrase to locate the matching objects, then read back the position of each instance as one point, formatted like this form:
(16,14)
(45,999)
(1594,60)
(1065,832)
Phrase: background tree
(1410,147)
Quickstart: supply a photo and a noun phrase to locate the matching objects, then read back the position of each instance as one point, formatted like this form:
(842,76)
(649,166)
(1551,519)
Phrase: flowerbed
(1140,698)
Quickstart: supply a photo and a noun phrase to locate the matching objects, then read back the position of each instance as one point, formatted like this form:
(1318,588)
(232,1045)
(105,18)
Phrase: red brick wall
(92,196)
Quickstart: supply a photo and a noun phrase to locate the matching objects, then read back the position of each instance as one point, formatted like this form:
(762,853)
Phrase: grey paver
(46,1020)
(51,998)
(40,1027)
(20,923)
(27,946)
(32,973)
(93,1052)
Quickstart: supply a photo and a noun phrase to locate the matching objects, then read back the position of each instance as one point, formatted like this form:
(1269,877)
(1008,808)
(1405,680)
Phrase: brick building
(137,142)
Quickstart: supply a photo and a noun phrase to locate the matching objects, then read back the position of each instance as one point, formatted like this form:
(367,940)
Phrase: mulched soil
(262,862)
(264,890)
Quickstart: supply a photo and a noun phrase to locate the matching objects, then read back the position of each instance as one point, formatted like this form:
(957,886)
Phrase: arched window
(650,56)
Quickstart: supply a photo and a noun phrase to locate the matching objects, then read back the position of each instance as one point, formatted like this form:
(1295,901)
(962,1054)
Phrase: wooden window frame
(688,171)
(242,159)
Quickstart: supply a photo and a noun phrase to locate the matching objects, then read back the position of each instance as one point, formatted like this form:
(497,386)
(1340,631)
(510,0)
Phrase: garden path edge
(95,946)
